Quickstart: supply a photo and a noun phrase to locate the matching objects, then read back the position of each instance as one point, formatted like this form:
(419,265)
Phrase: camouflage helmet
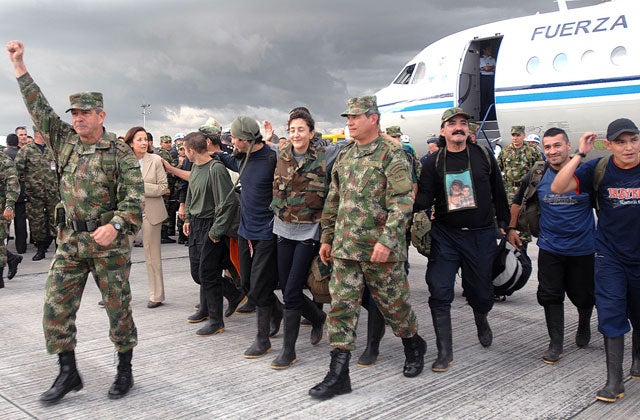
(394,131)
(452,112)
(517,129)
(361,105)
(85,101)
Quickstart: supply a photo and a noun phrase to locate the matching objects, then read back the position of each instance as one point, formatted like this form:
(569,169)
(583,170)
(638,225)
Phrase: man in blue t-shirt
(617,266)
(566,243)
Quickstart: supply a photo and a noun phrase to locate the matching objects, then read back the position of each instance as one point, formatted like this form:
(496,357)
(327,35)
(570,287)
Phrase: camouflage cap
(473,128)
(212,130)
(214,122)
(85,101)
(165,139)
(361,105)
(394,131)
(452,112)
(245,128)
(517,129)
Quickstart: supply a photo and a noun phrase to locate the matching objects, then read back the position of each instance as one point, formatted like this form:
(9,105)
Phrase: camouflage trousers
(525,237)
(389,289)
(67,278)
(41,214)
(4,228)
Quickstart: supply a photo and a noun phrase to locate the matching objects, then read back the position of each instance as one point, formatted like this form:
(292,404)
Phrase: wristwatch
(117,226)
(9,208)
(581,154)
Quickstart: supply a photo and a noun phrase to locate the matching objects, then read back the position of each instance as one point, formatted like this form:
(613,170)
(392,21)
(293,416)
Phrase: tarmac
(180,375)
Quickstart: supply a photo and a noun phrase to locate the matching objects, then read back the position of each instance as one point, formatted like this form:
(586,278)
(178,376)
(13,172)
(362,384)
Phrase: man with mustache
(459,231)
(566,243)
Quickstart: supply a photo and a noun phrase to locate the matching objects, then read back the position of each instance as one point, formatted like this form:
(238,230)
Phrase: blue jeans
(294,260)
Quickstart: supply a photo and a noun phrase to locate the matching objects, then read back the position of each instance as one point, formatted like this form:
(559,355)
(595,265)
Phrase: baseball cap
(405,138)
(619,126)
(85,101)
(533,138)
(473,128)
(360,105)
(432,140)
(517,129)
(178,136)
(452,112)
(394,131)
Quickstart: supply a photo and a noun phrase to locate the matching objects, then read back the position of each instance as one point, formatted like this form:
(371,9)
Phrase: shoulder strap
(598,174)
(536,172)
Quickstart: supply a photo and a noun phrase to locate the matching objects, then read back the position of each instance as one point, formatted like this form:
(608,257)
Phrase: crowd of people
(256,211)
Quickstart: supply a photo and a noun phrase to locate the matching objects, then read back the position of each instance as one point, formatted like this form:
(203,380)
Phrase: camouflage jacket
(84,184)
(38,169)
(370,200)
(164,154)
(299,190)
(9,186)
(515,163)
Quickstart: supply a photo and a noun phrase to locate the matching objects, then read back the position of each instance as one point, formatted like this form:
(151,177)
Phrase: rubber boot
(276,318)
(554,315)
(202,313)
(485,335)
(2,278)
(261,345)
(583,335)
(164,236)
(337,381)
(414,350)
(235,296)
(287,356)
(614,389)
(635,355)
(444,339)
(12,262)
(68,379)
(124,377)
(215,324)
(247,308)
(316,316)
(375,332)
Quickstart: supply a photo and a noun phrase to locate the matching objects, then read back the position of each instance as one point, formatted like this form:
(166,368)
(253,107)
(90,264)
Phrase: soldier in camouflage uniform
(37,166)
(363,233)
(9,189)
(515,161)
(169,225)
(101,193)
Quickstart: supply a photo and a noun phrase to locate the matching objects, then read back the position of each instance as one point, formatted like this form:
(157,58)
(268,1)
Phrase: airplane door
(468,83)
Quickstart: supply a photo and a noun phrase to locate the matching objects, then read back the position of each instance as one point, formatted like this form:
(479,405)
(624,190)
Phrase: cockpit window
(419,73)
(404,77)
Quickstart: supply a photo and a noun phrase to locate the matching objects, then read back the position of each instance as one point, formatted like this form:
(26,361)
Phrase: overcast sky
(194,59)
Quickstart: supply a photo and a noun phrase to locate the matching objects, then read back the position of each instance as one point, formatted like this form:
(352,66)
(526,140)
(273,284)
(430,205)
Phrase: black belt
(84,225)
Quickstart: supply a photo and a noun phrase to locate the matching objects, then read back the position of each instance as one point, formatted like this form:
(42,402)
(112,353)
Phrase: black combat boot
(276,317)
(202,313)
(2,278)
(635,355)
(614,389)
(337,381)
(414,349)
(124,377)
(41,251)
(554,315)
(485,335)
(316,317)
(583,335)
(375,332)
(235,296)
(287,356)
(215,324)
(12,262)
(444,339)
(68,379)
(164,236)
(261,345)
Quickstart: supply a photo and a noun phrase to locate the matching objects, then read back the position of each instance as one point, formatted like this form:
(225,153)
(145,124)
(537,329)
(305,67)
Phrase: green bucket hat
(245,128)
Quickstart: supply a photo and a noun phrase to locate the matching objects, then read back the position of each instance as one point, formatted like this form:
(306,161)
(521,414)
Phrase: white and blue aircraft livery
(577,69)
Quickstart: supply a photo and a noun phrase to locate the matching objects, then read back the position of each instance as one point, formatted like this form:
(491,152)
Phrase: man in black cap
(615,182)
(459,231)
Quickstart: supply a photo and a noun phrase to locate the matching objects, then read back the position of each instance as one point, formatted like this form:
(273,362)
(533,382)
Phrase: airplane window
(533,65)
(419,74)
(619,56)
(560,62)
(404,77)
(589,58)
